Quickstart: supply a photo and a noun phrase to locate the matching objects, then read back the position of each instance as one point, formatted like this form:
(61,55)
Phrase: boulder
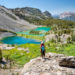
(47,66)
(67,61)
(45,73)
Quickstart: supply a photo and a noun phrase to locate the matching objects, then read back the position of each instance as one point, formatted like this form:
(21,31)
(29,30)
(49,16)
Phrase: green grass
(38,33)
(34,32)
(32,37)
(67,49)
(21,57)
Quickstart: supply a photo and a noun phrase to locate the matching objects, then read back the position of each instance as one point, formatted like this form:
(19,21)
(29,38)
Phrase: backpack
(43,48)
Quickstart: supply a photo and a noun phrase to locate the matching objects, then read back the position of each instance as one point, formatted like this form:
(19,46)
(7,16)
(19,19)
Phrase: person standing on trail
(42,49)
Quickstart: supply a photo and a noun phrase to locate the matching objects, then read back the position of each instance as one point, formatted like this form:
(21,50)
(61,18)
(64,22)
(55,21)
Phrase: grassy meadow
(21,57)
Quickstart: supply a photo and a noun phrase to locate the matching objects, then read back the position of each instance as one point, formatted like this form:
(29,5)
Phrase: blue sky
(53,6)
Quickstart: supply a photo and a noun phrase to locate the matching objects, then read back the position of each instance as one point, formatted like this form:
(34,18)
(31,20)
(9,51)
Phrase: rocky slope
(68,16)
(47,66)
(12,23)
(6,34)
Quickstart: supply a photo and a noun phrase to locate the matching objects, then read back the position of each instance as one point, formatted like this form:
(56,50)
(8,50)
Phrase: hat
(42,42)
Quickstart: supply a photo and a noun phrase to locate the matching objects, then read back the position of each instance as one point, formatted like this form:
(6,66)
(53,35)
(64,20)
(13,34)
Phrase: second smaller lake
(42,29)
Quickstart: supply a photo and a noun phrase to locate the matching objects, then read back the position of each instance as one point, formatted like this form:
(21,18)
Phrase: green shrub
(35,32)
(73,37)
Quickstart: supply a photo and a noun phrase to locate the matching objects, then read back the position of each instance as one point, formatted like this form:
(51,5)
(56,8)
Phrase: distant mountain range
(67,16)
(70,16)
(55,16)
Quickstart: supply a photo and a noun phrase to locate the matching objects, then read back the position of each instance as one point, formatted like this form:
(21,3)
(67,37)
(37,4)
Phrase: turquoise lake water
(43,29)
(19,40)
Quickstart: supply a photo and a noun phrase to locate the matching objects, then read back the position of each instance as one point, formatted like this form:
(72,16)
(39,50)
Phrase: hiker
(42,49)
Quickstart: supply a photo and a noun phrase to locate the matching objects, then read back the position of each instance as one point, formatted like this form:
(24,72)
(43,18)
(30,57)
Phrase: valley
(21,33)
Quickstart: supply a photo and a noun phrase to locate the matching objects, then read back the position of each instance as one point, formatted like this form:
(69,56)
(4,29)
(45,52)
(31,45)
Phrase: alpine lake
(27,37)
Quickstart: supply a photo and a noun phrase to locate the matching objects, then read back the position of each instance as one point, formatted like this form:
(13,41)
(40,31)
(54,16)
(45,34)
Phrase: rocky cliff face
(47,66)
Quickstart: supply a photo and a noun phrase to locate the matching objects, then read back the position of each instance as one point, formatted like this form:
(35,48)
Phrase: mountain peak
(68,16)
(47,13)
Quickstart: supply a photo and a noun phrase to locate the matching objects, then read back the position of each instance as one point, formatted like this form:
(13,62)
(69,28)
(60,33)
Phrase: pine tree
(0,55)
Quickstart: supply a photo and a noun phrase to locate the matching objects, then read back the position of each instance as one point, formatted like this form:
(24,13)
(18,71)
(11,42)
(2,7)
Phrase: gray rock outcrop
(47,66)
(67,61)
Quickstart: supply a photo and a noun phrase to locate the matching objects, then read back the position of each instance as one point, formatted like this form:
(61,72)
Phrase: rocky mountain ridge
(29,12)
(47,14)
